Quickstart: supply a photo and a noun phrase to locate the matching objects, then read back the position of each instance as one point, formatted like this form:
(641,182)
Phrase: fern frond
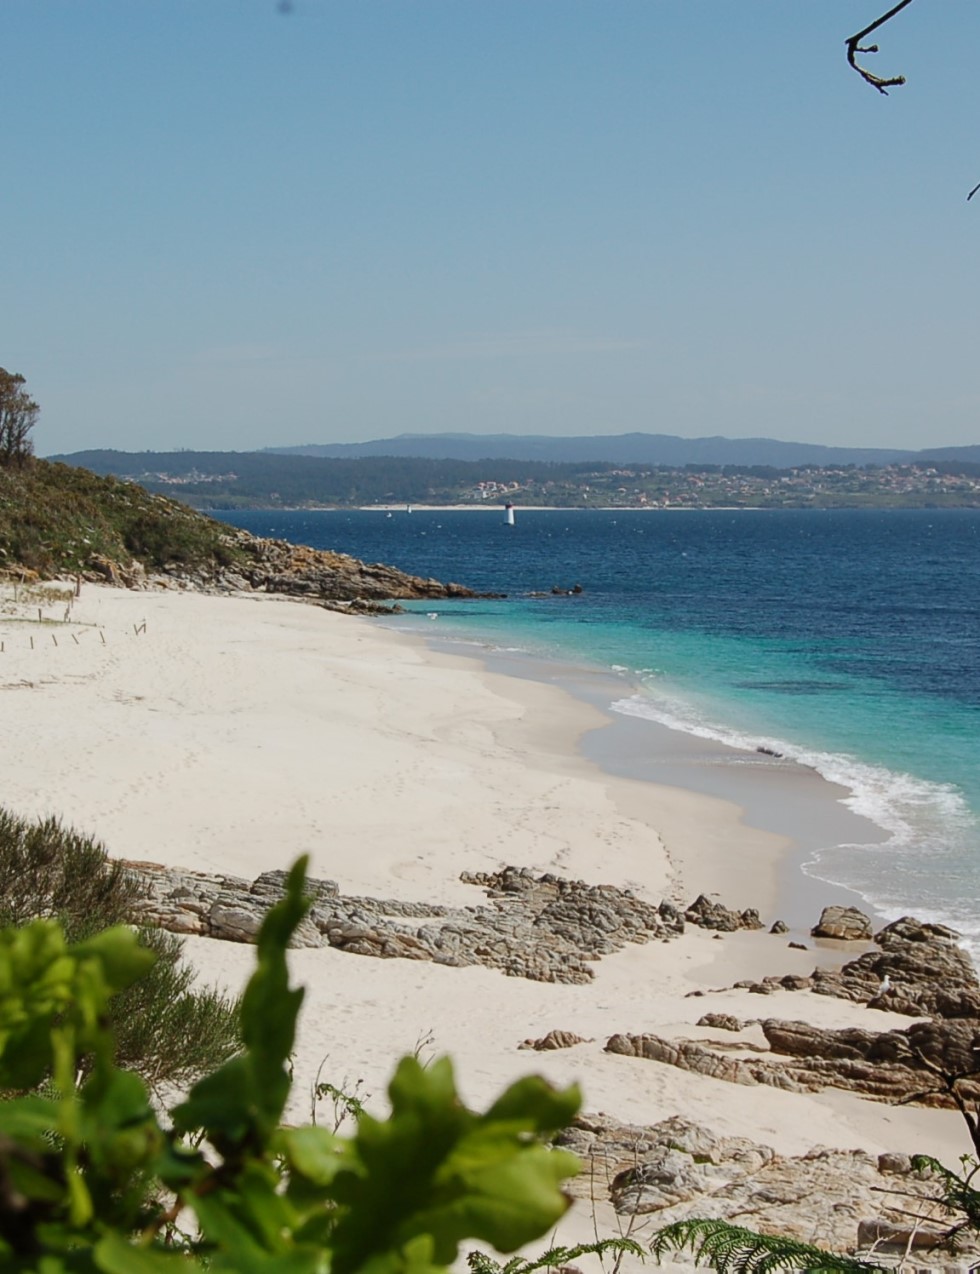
(730,1249)
(480,1263)
(958,1195)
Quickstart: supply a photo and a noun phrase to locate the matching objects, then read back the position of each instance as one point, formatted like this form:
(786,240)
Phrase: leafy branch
(91,1180)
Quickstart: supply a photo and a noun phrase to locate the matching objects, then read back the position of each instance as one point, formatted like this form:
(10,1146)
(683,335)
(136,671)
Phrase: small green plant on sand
(92,1179)
(346,1099)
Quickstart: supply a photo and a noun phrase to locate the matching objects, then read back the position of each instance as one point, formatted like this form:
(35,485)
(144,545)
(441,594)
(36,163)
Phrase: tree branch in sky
(854,47)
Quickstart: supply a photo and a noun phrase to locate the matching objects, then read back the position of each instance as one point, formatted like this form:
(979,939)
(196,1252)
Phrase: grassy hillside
(56,519)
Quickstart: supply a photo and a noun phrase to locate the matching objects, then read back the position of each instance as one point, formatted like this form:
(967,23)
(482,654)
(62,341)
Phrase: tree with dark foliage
(18,415)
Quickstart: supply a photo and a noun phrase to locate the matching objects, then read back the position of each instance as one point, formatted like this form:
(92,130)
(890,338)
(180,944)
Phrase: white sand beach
(233,734)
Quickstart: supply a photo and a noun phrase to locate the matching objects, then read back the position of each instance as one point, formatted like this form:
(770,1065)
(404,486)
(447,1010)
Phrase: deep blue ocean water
(847,639)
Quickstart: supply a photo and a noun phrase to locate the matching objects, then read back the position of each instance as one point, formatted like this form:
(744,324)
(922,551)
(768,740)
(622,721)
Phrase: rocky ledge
(913,1065)
(549,929)
(913,968)
(917,969)
(334,580)
(841,1200)
(538,927)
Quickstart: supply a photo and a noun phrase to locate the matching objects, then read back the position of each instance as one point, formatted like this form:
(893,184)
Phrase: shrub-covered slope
(55,519)
(58,520)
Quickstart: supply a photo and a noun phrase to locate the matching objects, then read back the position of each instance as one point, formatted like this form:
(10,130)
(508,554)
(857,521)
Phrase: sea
(848,640)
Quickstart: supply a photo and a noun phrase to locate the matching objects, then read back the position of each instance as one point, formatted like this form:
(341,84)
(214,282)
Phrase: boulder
(553,1040)
(847,924)
(715,915)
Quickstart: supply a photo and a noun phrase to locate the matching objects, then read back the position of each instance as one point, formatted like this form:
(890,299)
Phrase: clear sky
(226,226)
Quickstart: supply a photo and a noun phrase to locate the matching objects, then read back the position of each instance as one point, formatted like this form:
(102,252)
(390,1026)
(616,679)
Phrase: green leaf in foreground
(242,1102)
(91,1182)
(436,1168)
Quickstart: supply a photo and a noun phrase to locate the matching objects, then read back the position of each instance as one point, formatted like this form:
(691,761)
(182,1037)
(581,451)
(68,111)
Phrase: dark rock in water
(779,926)
(714,915)
(769,752)
(845,923)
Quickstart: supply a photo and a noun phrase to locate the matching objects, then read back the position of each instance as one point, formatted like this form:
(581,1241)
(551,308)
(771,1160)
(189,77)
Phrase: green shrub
(93,1181)
(55,519)
(165,1029)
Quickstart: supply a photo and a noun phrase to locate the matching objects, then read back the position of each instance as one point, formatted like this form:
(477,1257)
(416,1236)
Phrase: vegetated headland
(58,520)
(223,480)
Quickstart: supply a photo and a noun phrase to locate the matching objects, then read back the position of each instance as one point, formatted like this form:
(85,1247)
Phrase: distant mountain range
(633,448)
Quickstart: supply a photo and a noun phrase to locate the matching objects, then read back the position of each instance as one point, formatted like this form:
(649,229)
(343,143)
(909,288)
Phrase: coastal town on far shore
(940,485)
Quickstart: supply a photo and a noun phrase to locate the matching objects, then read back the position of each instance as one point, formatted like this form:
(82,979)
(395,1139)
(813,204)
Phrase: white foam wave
(913,811)
(925,862)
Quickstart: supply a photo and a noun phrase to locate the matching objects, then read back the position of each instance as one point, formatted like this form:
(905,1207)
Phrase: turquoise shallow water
(848,640)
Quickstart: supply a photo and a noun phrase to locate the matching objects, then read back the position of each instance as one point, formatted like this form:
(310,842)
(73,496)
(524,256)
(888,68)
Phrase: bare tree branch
(854,47)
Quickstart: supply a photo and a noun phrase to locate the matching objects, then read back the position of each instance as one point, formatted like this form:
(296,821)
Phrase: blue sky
(228,227)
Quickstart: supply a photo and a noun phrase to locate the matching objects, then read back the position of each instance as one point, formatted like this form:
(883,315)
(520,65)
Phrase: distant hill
(956,454)
(262,479)
(270,479)
(625,449)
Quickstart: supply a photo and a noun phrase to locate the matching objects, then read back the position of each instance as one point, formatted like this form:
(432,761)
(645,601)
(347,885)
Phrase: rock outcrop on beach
(917,969)
(549,929)
(335,580)
(715,915)
(846,924)
(893,1066)
(839,1200)
(538,927)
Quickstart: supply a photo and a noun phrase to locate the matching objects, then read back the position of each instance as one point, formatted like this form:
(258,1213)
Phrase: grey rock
(676,1170)
(714,915)
(722,1021)
(845,923)
(554,1040)
(894,1066)
(545,928)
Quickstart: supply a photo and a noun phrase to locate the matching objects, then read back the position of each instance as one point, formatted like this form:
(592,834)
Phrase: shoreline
(231,734)
(773,797)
